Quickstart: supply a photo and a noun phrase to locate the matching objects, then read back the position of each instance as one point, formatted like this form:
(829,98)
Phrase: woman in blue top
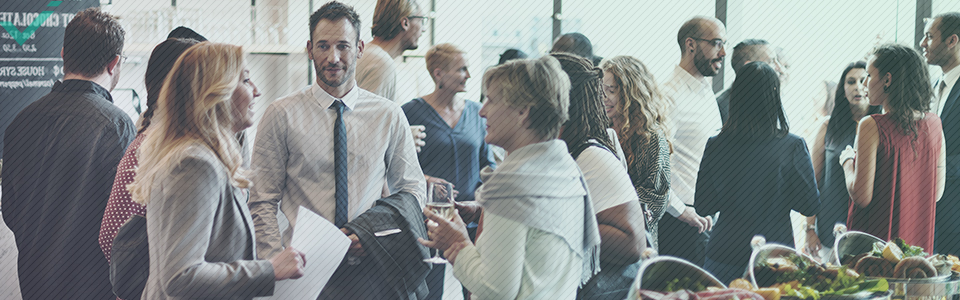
(754,172)
(455,151)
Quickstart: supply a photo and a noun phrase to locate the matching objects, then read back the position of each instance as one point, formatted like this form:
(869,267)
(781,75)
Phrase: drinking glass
(440,202)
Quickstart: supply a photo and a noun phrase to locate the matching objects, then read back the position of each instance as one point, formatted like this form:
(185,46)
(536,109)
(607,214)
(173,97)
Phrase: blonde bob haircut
(194,108)
(538,84)
(441,57)
(387,16)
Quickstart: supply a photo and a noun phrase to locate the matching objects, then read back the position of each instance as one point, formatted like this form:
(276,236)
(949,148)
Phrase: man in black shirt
(60,157)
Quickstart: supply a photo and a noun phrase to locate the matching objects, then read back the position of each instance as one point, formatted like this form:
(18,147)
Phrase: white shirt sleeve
(675,207)
(270,175)
(493,269)
(607,180)
(403,167)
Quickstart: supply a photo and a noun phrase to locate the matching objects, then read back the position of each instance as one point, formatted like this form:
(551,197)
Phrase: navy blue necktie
(340,165)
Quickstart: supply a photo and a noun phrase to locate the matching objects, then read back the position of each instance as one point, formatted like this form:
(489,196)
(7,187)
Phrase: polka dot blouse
(121,207)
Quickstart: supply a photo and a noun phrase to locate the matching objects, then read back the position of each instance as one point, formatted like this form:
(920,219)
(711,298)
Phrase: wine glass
(440,202)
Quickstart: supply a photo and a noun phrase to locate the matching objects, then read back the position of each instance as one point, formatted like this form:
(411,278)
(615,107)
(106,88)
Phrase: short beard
(412,46)
(704,65)
(350,70)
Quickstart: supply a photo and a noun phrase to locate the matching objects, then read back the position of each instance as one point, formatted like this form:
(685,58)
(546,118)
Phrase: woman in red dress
(896,175)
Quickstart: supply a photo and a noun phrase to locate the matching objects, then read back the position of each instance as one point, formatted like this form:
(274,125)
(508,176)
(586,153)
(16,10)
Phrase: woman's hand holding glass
(446,235)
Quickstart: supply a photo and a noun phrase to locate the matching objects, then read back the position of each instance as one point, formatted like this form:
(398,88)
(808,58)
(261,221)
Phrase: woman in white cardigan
(539,236)
(191,180)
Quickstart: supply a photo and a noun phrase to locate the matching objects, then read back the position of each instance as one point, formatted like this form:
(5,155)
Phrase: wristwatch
(811,227)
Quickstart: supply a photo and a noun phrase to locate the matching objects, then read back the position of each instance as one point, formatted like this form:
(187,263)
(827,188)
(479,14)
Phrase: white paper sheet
(325,247)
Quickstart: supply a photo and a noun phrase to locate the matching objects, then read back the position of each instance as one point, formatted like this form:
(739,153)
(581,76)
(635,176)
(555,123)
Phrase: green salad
(796,277)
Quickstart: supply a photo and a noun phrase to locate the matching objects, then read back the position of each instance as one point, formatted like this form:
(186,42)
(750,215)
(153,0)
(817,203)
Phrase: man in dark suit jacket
(941,46)
(61,155)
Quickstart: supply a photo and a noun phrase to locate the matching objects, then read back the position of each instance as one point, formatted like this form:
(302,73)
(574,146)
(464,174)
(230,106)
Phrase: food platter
(656,273)
(945,286)
(769,251)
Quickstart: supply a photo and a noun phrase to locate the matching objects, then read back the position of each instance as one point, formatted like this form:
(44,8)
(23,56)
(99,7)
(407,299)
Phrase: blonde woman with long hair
(638,112)
(191,180)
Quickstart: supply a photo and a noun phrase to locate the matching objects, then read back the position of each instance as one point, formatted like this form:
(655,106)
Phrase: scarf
(527,188)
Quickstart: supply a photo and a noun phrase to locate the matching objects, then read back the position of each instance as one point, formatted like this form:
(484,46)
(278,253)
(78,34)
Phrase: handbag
(130,259)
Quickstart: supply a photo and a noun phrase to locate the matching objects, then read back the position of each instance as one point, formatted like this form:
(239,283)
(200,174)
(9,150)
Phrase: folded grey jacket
(399,256)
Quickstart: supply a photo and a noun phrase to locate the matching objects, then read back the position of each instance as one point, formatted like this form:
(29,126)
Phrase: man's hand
(418,135)
(440,182)
(356,250)
(691,217)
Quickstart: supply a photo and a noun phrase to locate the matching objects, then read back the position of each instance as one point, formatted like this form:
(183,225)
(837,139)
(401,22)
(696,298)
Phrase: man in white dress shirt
(694,118)
(296,161)
(941,47)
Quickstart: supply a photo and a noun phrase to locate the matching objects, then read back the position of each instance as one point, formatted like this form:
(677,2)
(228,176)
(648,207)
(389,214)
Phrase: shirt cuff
(675,207)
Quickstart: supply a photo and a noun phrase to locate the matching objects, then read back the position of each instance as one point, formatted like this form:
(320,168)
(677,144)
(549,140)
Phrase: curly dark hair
(642,106)
(588,120)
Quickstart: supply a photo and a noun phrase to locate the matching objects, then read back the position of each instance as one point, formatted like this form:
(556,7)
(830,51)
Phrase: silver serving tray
(943,287)
(655,273)
(766,251)
(856,242)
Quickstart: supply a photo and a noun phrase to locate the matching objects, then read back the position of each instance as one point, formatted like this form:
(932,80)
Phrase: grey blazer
(201,235)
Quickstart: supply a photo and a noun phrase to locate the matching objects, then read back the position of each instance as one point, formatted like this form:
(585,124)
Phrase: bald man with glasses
(694,118)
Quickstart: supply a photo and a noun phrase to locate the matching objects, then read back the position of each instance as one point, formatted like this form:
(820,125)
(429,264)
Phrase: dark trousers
(947,234)
(362,281)
(679,239)
(435,282)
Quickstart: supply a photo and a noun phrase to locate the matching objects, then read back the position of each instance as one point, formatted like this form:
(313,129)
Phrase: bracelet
(845,159)
(811,227)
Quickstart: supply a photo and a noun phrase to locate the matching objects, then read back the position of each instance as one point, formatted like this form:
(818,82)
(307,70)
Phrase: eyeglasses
(423,19)
(714,42)
(124,58)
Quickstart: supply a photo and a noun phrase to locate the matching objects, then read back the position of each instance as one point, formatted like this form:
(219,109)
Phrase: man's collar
(692,82)
(952,76)
(326,100)
(71,85)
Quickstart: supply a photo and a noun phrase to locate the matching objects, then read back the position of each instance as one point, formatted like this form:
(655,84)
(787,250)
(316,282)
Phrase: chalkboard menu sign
(31,36)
